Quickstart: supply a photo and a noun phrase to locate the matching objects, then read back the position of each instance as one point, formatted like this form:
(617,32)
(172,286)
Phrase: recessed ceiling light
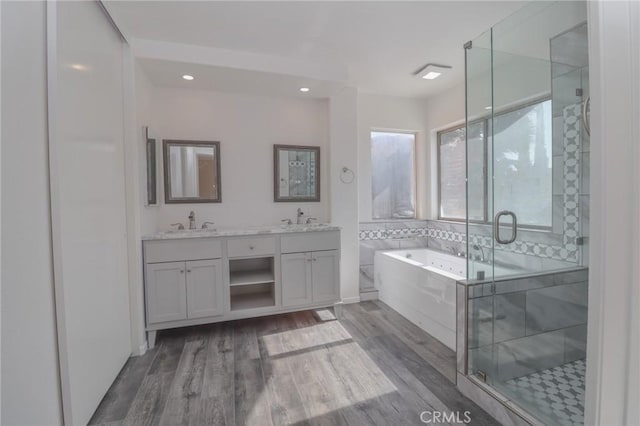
(79,67)
(431,75)
(431,71)
(187,77)
(304,89)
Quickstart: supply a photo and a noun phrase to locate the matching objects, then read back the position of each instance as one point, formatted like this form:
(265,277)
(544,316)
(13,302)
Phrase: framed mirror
(191,172)
(151,154)
(296,173)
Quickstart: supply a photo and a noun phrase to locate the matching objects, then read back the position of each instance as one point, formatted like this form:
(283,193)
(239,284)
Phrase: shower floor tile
(556,394)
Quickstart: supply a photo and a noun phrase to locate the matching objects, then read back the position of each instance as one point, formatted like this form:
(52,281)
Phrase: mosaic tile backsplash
(533,250)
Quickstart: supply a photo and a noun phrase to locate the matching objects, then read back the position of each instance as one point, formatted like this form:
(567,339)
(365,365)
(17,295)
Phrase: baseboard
(369,295)
(348,300)
(142,349)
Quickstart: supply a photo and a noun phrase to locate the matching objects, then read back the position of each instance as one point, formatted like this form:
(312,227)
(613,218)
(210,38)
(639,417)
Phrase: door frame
(613,343)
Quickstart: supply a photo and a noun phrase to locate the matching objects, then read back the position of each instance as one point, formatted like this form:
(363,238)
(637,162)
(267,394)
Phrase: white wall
(136,193)
(143,94)
(343,123)
(30,388)
(247,128)
(376,112)
(613,346)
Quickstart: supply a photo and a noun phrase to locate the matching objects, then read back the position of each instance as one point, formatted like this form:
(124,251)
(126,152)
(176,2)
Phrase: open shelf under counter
(252,296)
(251,301)
(238,278)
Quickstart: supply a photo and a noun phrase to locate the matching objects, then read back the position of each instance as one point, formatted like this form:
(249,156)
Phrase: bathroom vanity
(204,276)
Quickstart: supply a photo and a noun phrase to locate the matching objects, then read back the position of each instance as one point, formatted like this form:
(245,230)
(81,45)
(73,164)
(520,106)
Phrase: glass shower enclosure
(527,98)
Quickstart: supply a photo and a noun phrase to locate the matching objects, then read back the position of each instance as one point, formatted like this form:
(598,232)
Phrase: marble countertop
(234,232)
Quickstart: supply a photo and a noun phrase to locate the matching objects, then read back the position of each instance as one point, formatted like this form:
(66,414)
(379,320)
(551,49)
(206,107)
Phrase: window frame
(484,162)
(485,120)
(414,173)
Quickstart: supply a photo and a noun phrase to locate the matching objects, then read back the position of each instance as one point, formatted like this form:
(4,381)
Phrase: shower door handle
(514,227)
(585,109)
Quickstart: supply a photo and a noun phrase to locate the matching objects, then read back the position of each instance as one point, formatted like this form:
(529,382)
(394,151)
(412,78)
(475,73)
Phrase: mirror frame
(151,158)
(277,198)
(166,143)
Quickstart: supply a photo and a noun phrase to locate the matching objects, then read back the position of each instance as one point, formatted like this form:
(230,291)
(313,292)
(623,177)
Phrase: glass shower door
(527,82)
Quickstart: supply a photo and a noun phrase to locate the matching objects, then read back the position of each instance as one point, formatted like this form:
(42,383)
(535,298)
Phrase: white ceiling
(380,43)
(223,79)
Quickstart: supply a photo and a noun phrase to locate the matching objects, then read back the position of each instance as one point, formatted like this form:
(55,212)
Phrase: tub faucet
(455,252)
(192,220)
(477,247)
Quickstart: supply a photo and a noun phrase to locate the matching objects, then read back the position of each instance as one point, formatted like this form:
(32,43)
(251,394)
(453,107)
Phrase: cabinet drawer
(187,249)
(310,241)
(241,247)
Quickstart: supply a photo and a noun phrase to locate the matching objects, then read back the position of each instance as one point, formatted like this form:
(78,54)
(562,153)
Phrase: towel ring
(347,175)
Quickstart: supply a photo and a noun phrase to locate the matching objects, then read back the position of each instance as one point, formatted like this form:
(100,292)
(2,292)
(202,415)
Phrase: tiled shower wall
(395,235)
(533,250)
(520,326)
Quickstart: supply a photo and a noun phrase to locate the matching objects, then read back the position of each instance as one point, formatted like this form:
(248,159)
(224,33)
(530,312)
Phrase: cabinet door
(204,288)
(325,269)
(166,292)
(295,272)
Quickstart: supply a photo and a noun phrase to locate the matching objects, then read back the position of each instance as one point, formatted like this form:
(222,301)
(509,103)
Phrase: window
(393,180)
(452,173)
(520,164)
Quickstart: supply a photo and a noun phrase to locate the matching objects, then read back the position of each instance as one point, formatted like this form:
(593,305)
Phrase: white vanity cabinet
(204,288)
(166,292)
(181,290)
(310,268)
(296,279)
(325,275)
(202,278)
(310,277)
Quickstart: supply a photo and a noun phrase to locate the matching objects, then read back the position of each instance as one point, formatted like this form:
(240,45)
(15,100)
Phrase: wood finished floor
(372,367)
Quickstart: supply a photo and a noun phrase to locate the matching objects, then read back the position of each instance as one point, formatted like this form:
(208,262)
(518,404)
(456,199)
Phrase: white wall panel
(88,202)
(30,388)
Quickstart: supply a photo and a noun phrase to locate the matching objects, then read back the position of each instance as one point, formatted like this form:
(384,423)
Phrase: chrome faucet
(455,252)
(477,247)
(192,220)
(310,219)
(299,216)
(287,221)
(205,225)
